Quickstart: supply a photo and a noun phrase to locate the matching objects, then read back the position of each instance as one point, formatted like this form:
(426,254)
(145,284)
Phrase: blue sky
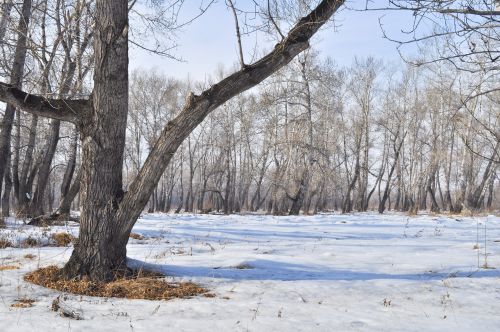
(210,41)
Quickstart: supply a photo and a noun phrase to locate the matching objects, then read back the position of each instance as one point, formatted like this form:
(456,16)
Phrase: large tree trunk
(101,247)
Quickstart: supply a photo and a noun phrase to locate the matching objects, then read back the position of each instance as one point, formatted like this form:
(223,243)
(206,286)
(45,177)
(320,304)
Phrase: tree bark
(101,246)
(4,19)
(16,78)
(7,189)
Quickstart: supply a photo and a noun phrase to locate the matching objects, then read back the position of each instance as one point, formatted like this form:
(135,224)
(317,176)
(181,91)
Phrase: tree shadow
(280,271)
(248,235)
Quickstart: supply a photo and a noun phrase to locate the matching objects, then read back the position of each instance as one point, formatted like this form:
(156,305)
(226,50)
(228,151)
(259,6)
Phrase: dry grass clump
(8,267)
(23,303)
(140,285)
(30,256)
(244,266)
(4,243)
(62,239)
(136,236)
(412,212)
(30,242)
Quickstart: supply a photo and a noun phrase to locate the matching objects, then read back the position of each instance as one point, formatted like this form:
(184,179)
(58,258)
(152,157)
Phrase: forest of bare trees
(312,137)
(315,137)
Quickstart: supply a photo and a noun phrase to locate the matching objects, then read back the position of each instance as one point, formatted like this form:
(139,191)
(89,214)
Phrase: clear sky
(210,41)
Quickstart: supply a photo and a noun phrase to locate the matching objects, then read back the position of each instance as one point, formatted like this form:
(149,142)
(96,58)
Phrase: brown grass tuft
(412,212)
(244,266)
(30,256)
(62,239)
(8,267)
(136,236)
(23,303)
(4,243)
(30,242)
(141,285)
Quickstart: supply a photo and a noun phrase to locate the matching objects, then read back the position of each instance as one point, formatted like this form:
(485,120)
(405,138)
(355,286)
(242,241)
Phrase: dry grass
(30,242)
(8,267)
(244,266)
(141,285)
(23,303)
(412,212)
(136,236)
(30,256)
(4,243)
(62,239)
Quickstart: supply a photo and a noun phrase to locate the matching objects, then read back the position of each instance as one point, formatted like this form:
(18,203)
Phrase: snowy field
(361,272)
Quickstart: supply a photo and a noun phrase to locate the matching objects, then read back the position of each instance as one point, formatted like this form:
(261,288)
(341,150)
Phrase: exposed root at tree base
(139,285)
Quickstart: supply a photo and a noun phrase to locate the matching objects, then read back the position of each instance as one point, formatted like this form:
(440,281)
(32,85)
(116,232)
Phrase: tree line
(317,137)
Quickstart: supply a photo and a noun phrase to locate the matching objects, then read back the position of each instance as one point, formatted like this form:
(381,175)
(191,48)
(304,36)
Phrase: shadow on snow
(281,271)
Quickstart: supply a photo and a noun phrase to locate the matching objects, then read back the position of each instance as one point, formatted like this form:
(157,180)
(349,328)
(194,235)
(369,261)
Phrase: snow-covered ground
(361,272)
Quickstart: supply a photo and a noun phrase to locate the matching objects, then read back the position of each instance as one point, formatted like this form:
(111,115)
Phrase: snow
(360,272)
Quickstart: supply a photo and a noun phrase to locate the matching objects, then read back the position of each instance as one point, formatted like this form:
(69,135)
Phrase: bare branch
(238,35)
(61,109)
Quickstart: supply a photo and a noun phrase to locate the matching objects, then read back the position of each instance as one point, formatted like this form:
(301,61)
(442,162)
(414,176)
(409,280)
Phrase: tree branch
(197,108)
(62,109)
